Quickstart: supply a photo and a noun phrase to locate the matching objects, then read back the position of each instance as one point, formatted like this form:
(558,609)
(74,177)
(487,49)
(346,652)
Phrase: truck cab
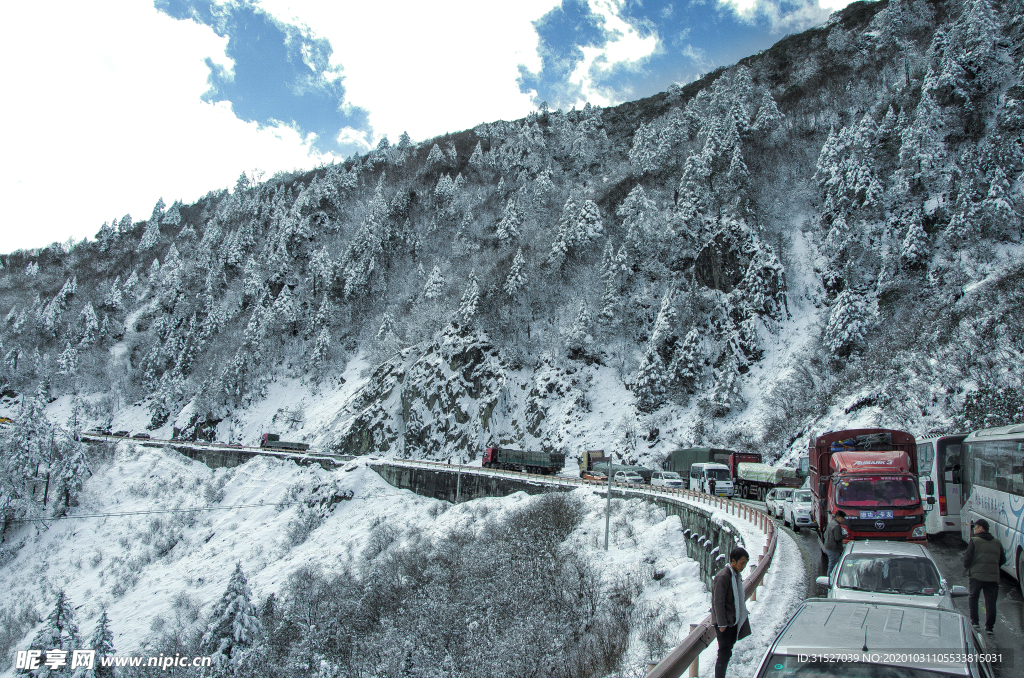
(702,473)
(871,475)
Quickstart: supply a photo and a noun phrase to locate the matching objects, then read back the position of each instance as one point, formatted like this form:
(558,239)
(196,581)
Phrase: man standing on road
(834,540)
(982,561)
(711,485)
(729,608)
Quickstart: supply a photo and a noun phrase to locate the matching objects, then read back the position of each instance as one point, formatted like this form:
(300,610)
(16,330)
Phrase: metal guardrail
(683,656)
(677,662)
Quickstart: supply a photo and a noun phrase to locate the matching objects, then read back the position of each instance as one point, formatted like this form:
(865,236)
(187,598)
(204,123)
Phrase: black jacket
(723,604)
(984,557)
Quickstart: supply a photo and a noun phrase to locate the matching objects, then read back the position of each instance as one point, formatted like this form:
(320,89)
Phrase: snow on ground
(776,601)
(135,565)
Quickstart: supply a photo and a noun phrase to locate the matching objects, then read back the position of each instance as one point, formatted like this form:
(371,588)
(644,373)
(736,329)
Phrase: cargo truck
(871,475)
(681,460)
(753,480)
(543,463)
(272,441)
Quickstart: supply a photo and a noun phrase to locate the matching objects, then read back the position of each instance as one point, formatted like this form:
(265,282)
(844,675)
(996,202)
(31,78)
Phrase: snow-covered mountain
(826,234)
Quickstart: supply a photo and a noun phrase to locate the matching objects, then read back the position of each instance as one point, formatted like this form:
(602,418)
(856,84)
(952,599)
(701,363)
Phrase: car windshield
(882,573)
(802,496)
(670,475)
(877,491)
(784,494)
(784,666)
(718,473)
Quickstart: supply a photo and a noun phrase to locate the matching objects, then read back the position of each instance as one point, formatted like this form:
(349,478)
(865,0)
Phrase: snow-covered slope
(273,517)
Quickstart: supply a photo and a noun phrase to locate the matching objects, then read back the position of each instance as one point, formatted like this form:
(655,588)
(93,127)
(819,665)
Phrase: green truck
(681,460)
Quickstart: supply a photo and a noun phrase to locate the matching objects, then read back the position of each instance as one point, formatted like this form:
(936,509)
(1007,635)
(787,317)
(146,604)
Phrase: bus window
(925,458)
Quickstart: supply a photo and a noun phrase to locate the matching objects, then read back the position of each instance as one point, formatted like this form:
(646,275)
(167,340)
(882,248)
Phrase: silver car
(798,510)
(774,500)
(666,479)
(851,639)
(890,571)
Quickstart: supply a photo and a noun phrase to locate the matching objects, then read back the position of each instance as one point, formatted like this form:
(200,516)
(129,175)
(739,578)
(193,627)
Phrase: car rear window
(881,573)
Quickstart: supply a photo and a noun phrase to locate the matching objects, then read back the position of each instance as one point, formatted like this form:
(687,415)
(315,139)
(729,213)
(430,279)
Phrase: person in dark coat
(833,542)
(729,608)
(982,561)
(711,485)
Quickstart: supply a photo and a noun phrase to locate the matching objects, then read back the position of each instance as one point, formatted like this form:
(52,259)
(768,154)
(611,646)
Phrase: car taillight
(942,504)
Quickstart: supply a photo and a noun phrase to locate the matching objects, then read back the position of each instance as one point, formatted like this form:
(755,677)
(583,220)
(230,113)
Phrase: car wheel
(796,528)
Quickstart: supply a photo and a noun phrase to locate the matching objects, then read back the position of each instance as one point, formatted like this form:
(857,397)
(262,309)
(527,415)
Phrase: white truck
(702,473)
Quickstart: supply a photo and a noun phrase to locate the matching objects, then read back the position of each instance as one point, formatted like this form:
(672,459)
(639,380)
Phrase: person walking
(982,560)
(729,608)
(834,540)
(711,485)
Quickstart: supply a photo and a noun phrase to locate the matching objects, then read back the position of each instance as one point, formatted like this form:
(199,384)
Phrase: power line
(187,510)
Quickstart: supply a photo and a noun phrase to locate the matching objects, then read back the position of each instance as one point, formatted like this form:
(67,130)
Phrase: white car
(798,510)
(774,500)
(666,479)
(877,571)
(627,477)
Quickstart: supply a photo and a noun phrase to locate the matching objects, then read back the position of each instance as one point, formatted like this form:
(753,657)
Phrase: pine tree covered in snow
(233,626)
(102,642)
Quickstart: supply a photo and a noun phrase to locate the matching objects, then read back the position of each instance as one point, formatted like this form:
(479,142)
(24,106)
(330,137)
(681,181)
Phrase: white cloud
(427,67)
(627,48)
(109,118)
(784,18)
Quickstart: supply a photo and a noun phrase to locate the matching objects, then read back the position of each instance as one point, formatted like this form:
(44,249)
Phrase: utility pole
(608,503)
(458,479)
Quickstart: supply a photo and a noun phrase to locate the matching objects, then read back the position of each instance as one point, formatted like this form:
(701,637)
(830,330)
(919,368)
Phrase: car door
(769,502)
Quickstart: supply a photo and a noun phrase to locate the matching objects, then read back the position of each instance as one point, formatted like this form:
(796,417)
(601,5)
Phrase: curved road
(948,551)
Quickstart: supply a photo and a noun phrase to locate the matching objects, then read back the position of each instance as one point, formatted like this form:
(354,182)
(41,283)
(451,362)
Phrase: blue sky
(132,100)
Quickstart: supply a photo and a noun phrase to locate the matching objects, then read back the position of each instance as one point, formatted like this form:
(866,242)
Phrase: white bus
(993,489)
(938,461)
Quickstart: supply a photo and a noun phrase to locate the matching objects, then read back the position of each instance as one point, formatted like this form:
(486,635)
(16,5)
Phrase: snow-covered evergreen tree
(435,286)
(516,276)
(849,321)
(102,642)
(469,305)
(233,626)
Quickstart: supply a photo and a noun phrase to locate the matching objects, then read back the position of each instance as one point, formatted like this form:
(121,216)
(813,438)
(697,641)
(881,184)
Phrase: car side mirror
(958,591)
(823,581)
(929,487)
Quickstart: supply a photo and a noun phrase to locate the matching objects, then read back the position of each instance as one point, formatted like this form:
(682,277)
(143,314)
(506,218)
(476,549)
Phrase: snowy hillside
(159,568)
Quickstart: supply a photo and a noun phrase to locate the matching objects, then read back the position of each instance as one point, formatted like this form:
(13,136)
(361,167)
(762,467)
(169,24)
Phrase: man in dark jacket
(729,608)
(982,561)
(834,540)
(711,485)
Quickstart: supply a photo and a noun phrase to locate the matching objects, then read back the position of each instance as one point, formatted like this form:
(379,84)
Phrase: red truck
(871,474)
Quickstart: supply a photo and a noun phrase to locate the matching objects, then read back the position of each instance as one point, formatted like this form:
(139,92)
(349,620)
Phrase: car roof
(896,548)
(838,625)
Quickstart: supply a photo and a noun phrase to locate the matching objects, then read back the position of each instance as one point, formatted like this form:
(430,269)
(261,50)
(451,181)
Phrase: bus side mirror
(931,503)
(929,488)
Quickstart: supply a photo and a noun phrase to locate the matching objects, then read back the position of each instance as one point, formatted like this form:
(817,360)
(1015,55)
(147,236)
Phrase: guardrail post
(695,666)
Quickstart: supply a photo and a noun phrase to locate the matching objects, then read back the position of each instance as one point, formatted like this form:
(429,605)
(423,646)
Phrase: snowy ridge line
(146,513)
(218,447)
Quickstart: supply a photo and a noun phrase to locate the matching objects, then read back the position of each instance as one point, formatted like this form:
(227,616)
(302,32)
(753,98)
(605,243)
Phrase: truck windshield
(718,474)
(876,491)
